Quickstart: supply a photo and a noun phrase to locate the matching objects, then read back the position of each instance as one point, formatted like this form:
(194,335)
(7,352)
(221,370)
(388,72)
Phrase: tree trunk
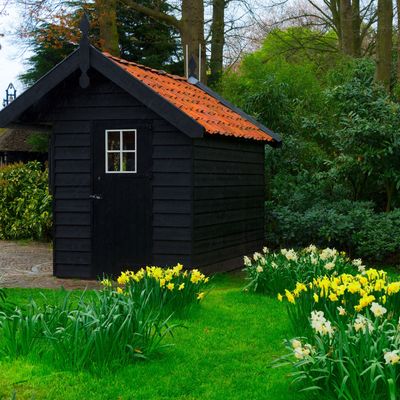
(356,25)
(217,40)
(107,16)
(192,34)
(384,42)
(346,27)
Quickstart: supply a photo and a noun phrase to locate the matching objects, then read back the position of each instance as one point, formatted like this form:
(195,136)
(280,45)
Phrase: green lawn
(224,352)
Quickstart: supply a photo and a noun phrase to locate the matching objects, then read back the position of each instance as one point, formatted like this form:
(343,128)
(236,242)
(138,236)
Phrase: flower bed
(272,273)
(349,335)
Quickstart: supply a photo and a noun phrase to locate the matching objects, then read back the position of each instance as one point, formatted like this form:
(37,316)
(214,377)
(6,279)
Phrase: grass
(224,352)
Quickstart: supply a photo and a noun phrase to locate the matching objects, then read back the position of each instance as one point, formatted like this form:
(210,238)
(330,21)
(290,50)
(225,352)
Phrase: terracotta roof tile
(208,111)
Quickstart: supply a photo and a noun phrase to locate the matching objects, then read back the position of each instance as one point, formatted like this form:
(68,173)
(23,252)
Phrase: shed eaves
(208,111)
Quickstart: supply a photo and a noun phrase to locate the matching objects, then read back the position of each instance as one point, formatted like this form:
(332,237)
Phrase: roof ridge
(145,67)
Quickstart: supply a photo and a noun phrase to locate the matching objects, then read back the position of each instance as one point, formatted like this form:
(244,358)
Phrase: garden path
(30,265)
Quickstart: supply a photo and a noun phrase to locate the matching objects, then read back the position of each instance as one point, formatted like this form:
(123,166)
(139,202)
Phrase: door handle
(95,196)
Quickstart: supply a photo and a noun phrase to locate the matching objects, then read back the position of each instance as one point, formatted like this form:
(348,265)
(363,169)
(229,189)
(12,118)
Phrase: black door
(121,196)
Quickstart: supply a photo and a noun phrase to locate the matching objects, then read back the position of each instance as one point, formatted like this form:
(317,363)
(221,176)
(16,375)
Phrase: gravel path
(30,265)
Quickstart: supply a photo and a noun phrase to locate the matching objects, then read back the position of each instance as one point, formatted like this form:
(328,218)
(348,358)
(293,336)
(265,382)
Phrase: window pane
(113,161)
(128,163)
(129,140)
(113,140)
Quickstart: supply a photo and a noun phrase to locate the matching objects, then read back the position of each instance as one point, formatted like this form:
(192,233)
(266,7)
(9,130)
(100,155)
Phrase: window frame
(121,151)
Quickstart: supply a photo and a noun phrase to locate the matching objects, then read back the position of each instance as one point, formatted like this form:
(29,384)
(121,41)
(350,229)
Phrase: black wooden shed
(145,167)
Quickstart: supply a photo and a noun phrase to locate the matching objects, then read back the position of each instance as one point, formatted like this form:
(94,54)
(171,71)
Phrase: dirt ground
(30,265)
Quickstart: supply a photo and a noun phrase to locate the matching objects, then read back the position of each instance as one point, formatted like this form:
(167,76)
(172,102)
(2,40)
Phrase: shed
(146,168)
(15,146)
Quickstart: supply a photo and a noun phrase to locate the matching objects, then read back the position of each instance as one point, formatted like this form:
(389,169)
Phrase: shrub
(379,237)
(349,225)
(272,273)
(172,288)
(25,202)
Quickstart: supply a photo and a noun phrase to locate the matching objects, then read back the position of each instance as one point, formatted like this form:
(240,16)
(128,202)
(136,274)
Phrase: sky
(12,56)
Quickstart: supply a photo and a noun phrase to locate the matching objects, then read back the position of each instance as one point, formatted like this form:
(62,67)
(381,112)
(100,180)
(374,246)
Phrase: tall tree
(384,42)
(190,27)
(107,16)
(217,40)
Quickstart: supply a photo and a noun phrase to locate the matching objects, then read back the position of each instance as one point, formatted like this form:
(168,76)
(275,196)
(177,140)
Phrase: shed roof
(216,115)
(15,140)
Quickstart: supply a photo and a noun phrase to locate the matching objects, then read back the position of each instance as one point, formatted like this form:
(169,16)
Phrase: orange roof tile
(208,111)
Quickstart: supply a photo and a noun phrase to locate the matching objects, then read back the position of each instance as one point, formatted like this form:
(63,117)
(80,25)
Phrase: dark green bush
(25,202)
(347,225)
(379,237)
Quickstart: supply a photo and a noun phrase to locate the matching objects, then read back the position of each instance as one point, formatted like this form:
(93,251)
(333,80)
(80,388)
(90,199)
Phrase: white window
(121,147)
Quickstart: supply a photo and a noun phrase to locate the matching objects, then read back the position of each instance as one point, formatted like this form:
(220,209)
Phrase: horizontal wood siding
(172,195)
(228,202)
(73,115)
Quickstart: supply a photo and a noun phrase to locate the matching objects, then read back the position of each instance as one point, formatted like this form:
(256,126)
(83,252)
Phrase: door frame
(95,126)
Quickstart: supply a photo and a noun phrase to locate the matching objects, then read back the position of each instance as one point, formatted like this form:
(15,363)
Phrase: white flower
(247,261)
(362,323)
(361,269)
(257,256)
(314,260)
(377,309)
(259,269)
(291,255)
(296,343)
(341,310)
(391,357)
(265,250)
(329,266)
(274,265)
(320,324)
(311,249)
(301,351)
(328,253)
(283,252)
(357,262)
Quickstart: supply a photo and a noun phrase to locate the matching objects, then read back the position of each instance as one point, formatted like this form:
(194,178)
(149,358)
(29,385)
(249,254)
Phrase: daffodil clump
(350,334)
(273,272)
(175,288)
(344,296)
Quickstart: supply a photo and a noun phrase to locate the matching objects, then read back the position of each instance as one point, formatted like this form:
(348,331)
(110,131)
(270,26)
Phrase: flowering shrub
(272,273)
(172,288)
(350,345)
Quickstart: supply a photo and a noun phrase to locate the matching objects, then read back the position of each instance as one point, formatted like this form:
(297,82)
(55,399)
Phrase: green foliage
(25,202)
(350,335)
(273,273)
(39,142)
(379,237)
(100,332)
(173,289)
(224,352)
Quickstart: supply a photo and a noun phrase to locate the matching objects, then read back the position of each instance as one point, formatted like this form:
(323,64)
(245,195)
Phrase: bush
(273,273)
(379,237)
(25,202)
(353,226)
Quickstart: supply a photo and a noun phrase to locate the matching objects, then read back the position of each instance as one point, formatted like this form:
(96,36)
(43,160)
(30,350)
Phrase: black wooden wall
(228,201)
(73,114)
